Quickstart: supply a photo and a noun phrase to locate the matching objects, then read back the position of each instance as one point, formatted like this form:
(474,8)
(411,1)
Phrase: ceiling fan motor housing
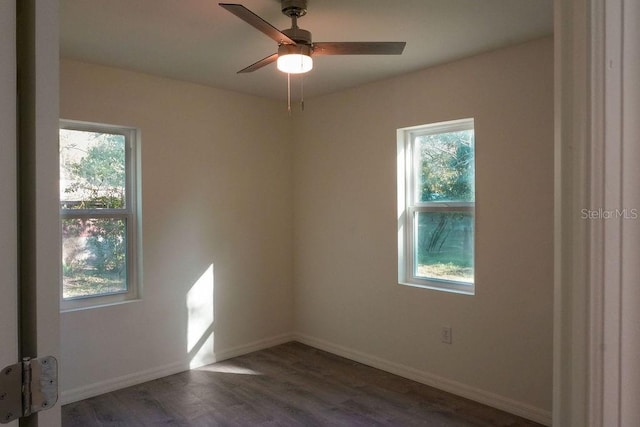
(298,35)
(295,8)
(299,49)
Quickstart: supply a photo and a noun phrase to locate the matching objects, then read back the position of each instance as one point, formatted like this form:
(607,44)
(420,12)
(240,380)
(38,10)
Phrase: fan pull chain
(289,93)
(302,92)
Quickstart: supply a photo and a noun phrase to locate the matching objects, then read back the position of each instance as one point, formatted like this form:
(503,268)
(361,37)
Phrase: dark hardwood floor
(287,385)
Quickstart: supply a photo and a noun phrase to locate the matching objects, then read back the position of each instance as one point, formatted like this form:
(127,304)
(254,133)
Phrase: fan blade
(263,62)
(254,20)
(358,48)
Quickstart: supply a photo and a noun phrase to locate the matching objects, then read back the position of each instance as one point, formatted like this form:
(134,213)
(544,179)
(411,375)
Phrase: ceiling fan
(295,47)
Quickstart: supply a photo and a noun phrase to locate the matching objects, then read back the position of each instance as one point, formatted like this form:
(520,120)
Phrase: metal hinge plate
(27,387)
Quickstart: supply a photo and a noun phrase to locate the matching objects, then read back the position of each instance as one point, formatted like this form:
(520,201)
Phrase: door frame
(8,189)
(596,337)
(37,52)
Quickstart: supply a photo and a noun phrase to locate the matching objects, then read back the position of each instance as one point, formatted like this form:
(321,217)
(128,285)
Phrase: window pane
(93,257)
(444,246)
(92,170)
(445,167)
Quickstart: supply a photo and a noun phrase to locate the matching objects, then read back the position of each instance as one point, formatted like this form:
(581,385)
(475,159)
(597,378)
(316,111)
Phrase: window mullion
(82,213)
(435,207)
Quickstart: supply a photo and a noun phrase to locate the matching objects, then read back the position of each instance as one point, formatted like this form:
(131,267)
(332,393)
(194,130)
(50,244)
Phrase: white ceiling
(198,41)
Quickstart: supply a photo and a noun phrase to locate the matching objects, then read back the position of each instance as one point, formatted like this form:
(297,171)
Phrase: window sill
(97,305)
(443,286)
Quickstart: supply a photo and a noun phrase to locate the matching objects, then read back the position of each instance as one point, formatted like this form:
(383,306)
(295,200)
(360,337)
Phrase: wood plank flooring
(287,385)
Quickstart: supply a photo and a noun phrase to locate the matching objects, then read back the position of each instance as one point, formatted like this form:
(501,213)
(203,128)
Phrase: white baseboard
(91,390)
(509,405)
(500,402)
(253,346)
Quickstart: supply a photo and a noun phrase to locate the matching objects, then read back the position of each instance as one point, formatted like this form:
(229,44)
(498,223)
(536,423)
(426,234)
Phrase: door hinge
(27,387)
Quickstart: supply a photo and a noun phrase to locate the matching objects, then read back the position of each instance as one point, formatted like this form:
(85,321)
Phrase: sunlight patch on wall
(200,320)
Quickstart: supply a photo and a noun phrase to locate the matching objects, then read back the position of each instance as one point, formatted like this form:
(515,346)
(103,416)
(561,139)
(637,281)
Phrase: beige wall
(216,190)
(346,291)
(228,179)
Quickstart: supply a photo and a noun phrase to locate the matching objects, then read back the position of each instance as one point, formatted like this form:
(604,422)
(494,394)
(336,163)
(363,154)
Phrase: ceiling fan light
(294,59)
(295,63)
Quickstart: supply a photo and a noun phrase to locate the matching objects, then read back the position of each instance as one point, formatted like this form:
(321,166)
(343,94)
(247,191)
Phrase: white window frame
(408,207)
(131,214)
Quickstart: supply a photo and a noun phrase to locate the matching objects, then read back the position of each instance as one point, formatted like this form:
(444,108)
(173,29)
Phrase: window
(99,214)
(436,204)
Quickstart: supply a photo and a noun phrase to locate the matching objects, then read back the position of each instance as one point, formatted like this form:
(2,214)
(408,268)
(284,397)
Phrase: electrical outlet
(446,335)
